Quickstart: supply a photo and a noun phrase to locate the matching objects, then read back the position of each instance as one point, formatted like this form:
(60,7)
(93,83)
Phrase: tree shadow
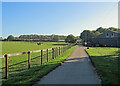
(74,59)
(22,66)
(22,62)
(26,61)
(26,75)
(107,64)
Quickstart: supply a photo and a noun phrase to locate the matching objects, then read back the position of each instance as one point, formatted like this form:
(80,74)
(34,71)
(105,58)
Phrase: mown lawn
(29,77)
(106,62)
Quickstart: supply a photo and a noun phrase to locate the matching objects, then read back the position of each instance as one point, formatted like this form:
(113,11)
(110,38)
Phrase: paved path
(76,70)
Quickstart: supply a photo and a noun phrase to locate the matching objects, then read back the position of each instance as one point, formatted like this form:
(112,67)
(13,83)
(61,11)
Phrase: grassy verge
(106,62)
(29,77)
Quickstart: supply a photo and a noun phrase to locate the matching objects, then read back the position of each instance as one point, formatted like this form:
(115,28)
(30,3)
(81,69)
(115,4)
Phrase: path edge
(93,64)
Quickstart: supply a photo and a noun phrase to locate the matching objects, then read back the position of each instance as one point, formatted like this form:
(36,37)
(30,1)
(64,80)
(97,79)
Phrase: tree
(112,28)
(87,35)
(70,38)
(96,33)
(101,30)
(10,38)
(55,38)
(1,38)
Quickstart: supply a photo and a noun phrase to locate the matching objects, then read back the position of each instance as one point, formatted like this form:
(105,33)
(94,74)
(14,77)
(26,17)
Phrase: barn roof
(105,32)
(114,31)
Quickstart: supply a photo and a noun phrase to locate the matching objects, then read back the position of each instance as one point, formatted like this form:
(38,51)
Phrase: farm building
(108,38)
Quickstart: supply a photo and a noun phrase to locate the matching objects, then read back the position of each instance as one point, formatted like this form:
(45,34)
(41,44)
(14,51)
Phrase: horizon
(40,34)
(47,34)
(59,18)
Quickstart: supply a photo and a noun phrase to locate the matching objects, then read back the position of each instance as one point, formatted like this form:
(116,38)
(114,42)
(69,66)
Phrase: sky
(61,18)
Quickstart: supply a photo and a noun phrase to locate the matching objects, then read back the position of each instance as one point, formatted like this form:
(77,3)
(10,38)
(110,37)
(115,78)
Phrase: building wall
(108,38)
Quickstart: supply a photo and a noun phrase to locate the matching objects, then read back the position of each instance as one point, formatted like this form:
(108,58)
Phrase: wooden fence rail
(55,53)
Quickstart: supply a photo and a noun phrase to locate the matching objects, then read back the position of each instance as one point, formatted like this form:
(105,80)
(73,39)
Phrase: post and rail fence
(57,51)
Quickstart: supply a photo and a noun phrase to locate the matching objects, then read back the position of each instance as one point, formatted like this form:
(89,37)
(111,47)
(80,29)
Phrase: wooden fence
(55,53)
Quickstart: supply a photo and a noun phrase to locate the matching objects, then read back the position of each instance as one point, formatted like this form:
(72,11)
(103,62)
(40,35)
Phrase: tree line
(87,35)
(44,38)
(34,38)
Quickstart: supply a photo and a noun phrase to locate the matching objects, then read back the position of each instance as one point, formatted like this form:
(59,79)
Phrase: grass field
(106,62)
(20,63)
(29,77)
(15,47)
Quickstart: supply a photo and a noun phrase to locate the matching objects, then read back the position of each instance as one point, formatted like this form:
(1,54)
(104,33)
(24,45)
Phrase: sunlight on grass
(106,61)
(34,74)
(16,47)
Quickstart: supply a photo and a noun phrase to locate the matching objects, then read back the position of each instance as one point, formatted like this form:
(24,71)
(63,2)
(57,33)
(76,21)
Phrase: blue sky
(62,18)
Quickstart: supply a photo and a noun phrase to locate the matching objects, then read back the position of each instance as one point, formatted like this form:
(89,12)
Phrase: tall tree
(101,30)
(70,38)
(10,38)
(96,33)
(112,28)
(86,35)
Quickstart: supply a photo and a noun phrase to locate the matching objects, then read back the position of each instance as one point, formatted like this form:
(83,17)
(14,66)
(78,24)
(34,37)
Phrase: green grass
(106,62)
(29,77)
(16,47)
(20,63)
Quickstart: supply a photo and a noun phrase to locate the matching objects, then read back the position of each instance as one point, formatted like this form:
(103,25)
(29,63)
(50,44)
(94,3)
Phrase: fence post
(59,50)
(6,64)
(56,52)
(47,56)
(29,60)
(41,56)
(52,53)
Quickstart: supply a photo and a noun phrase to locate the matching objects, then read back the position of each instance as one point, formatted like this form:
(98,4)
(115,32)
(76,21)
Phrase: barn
(107,39)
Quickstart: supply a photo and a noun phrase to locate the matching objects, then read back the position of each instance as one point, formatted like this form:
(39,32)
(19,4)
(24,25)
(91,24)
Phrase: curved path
(77,69)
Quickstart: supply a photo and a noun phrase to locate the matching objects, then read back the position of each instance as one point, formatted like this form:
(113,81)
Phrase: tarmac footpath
(77,69)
